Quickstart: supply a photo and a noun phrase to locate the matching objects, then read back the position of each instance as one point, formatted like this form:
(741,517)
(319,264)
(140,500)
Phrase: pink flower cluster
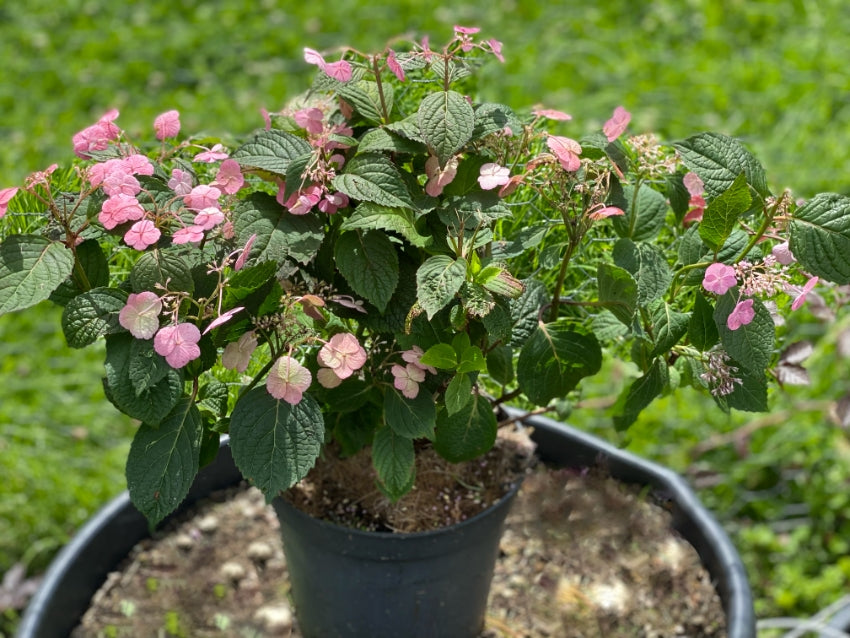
(340,357)
(97,136)
(178,342)
(340,71)
(406,378)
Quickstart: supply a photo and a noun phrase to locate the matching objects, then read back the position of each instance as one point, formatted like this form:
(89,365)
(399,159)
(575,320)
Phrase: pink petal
(340,71)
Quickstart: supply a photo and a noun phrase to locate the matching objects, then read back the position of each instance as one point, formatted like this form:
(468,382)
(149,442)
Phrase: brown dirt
(582,556)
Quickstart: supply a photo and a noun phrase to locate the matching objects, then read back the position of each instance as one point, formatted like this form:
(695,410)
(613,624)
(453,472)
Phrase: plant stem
(377,73)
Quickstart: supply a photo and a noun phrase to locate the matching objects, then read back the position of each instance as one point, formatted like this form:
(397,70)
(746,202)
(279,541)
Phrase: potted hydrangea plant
(388,261)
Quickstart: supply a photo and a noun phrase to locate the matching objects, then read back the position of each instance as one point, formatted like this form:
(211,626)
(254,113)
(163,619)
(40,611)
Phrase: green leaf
(146,367)
(437,282)
(373,177)
(381,139)
(750,395)
(458,393)
(163,461)
(751,345)
(155,268)
(647,265)
(150,405)
(702,330)
(213,396)
(92,315)
(271,151)
(718,160)
(90,260)
(394,461)
(369,263)
(369,216)
(446,121)
(641,393)
(472,360)
(31,268)
(668,326)
(440,355)
(274,443)
(466,434)
(651,212)
(365,97)
(279,234)
(500,364)
(820,237)
(410,418)
(525,311)
(618,291)
(492,118)
(554,360)
(722,214)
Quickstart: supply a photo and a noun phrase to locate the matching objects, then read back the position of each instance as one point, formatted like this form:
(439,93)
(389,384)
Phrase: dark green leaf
(394,461)
(91,315)
(722,214)
(93,264)
(437,282)
(617,291)
(651,211)
(458,393)
(668,326)
(641,393)
(446,121)
(466,434)
(820,237)
(647,265)
(279,234)
(373,177)
(156,267)
(750,345)
(718,160)
(271,151)
(369,263)
(369,216)
(410,418)
(31,268)
(702,330)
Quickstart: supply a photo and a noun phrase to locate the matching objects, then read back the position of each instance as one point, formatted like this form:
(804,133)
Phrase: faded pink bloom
(167,125)
(394,66)
(327,378)
(607,211)
(229,177)
(414,356)
(6,195)
(782,253)
(311,56)
(439,178)
(97,136)
(492,175)
(693,183)
(119,180)
(240,260)
(407,379)
(512,185)
(237,354)
(40,177)
(188,235)
(719,278)
(288,380)
(118,210)
(697,202)
(223,318)
(201,197)
(552,114)
(178,343)
(209,218)
(210,155)
(138,164)
(496,49)
(801,298)
(141,314)
(333,202)
(267,118)
(343,354)
(301,202)
(566,150)
(617,124)
(180,182)
(741,315)
(466,30)
(310,119)
(340,71)
(142,234)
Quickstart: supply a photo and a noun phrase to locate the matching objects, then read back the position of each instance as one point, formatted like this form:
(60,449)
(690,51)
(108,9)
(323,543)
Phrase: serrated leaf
(492,118)
(372,177)
(722,214)
(750,345)
(437,282)
(365,97)
(31,268)
(156,267)
(274,443)
(394,461)
(668,326)
(369,216)
(750,395)
(382,139)
(648,266)
(271,151)
(213,396)
(279,234)
(146,367)
(410,418)
(440,355)
(618,291)
(651,212)
(458,393)
(446,121)
(525,311)
(641,393)
(163,461)
(820,237)
(554,360)
(369,263)
(607,327)
(466,434)
(702,330)
(92,315)
(92,262)
(500,364)
(718,160)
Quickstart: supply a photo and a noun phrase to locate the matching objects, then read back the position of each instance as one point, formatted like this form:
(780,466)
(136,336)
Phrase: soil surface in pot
(582,556)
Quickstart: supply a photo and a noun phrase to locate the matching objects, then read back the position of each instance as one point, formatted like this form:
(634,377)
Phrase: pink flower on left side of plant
(178,343)
(6,195)
(209,218)
(394,66)
(180,182)
(167,125)
(302,202)
(189,235)
(311,120)
(566,150)
(719,278)
(288,380)
(604,212)
(332,202)
(491,175)
(141,314)
(210,155)
(741,315)
(142,234)
(343,354)
(618,123)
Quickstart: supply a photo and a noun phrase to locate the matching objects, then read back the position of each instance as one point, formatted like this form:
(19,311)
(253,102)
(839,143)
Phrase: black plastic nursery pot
(83,565)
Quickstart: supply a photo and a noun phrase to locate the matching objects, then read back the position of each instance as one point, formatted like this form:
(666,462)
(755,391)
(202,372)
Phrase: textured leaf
(369,263)
(500,364)
(365,98)
(92,315)
(157,267)
(554,360)
(651,207)
(492,118)
(702,330)
(31,268)
(372,177)
(274,443)
(369,216)
(410,418)
(722,214)
(458,393)
(271,151)
(440,355)
(93,263)
(437,282)
(381,139)
(163,461)
(718,160)
(146,367)
(446,121)
(647,265)
(466,434)
(641,393)
(525,311)
(750,395)
(668,326)
(279,234)
(820,237)
(750,345)
(394,461)
(617,291)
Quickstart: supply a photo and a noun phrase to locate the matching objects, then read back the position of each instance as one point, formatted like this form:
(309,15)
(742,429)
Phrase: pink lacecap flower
(301,202)
(466,30)
(719,278)
(119,180)
(406,379)
(310,119)
(337,70)
(607,211)
(167,125)
(209,218)
(327,378)
(229,177)
(201,197)
(496,48)
(211,155)
(741,315)
(223,318)
(801,298)
(178,343)
(40,177)
(189,235)
(138,164)
(288,380)
(552,114)
(118,210)
(439,178)
(394,66)
(343,354)
(6,196)
(414,356)
(97,136)
(142,234)
(566,150)
(617,124)
(141,314)
(180,182)
(492,175)
(783,254)
(237,354)
(333,202)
